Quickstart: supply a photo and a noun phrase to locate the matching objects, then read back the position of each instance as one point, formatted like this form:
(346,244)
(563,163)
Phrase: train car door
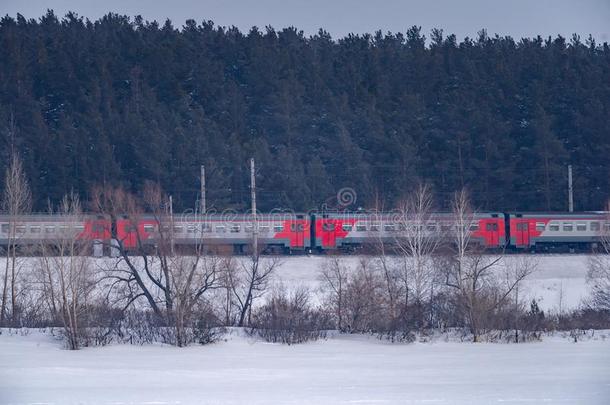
(127,233)
(330,237)
(325,233)
(523,235)
(492,233)
(297,229)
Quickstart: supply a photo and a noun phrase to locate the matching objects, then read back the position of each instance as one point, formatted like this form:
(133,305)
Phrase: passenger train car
(315,232)
(548,231)
(276,232)
(354,230)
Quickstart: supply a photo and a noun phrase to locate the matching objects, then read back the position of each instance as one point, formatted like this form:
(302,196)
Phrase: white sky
(517,18)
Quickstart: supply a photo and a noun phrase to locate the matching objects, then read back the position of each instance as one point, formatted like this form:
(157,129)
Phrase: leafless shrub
(289,319)
(364,299)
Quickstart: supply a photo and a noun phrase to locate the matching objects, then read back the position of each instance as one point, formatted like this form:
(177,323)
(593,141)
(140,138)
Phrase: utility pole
(570,190)
(254,224)
(171,224)
(203,207)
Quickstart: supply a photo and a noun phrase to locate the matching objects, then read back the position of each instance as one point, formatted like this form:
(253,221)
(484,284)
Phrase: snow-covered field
(558,284)
(34,369)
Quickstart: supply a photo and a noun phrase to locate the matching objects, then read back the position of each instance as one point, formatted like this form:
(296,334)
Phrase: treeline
(122,101)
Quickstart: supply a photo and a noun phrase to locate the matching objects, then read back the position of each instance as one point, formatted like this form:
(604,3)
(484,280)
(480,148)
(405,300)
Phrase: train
(291,233)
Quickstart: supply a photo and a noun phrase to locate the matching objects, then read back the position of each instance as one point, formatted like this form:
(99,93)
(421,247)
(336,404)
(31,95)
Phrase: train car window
(264,229)
(361,228)
(35,229)
(445,228)
(594,226)
(389,228)
(431,227)
(4,228)
(522,226)
(79,228)
(220,229)
(20,229)
(581,226)
(554,227)
(474,227)
(374,228)
(491,227)
(63,229)
(249,228)
(568,226)
(235,228)
(278,228)
(191,228)
(149,228)
(328,227)
(347,227)
(296,227)
(607,226)
(540,226)
(49,229)
(177,229)
(207,228)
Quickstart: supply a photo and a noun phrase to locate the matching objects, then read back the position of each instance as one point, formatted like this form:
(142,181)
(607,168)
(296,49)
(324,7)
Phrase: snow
(558,284)
(34,369)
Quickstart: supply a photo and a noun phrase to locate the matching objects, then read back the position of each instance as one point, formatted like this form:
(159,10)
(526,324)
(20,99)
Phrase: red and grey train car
(46,228)
(337,231)
(288,232)
(276,232)
(551,231)
(279,233)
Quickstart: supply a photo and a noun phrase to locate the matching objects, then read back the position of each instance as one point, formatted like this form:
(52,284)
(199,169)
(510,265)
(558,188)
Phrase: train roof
(396,214)
(560,214)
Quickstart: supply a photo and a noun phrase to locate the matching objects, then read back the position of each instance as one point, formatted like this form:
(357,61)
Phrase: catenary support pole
(570,190)
(254,223)
(171,224)
(203,207)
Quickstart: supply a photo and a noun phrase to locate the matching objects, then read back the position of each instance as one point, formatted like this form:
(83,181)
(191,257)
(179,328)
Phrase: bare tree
(334,275)
(228,270)
(248,280)
(190,278)
(66,272)
(517,269)
(365,307)
(598,275)
(171,284)
(16,202)
(417,241)
(473,274)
